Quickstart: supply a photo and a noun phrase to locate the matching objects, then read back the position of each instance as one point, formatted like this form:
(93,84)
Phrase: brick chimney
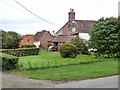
(71,15)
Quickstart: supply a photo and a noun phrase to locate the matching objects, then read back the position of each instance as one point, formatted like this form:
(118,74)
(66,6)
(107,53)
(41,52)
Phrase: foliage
(49,44)
(105,37)
(80,44)
(21,51)
(47,59)
(10,40)
(9,62)
(29,46)
(68,51)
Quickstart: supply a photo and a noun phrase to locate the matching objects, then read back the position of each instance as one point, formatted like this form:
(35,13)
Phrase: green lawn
(47,59)
(73,72)
(50,65)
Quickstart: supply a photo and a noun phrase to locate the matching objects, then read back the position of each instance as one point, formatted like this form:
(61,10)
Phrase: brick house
(27,39)
(72,28)
(42,38)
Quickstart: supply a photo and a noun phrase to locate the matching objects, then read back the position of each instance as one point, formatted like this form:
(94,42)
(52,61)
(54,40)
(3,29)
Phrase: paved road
(12,81)
(107,82)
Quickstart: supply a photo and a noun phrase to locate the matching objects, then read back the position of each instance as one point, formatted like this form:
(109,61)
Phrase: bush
(68,51)
(8,62)
(49,44)
(22,51)
(28,46)
(81,45)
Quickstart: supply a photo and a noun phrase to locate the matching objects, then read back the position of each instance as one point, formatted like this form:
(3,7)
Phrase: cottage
(71,29)
(27,39)
(76,26)
(41,39)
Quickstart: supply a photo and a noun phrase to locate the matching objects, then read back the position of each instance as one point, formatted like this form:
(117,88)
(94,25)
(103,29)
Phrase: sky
(15,18)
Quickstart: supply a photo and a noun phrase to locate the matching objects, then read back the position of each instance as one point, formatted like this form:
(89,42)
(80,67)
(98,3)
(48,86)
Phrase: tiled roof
(61,39)
(83,26)
(38,35)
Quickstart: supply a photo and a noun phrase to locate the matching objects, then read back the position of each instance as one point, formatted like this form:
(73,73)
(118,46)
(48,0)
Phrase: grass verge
(47,59)
(73,72)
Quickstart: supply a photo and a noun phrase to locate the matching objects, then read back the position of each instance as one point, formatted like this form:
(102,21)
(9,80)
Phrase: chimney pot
(71,15)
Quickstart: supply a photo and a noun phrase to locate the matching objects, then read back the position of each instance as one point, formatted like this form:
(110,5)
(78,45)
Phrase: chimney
(71,15)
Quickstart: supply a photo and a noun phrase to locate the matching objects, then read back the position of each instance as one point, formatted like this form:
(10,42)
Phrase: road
(12,81)
(106,82)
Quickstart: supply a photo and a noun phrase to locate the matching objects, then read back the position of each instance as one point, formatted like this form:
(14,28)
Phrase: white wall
(84,36)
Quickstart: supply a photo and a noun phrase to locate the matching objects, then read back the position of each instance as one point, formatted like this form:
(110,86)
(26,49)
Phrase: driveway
(12,81)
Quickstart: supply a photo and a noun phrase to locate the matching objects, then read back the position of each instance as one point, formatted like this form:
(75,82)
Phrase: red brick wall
(67,28)
(28,39)
(44,40)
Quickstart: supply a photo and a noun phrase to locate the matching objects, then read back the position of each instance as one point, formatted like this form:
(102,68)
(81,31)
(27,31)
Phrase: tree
(10,40)
(104,36)
(80,44)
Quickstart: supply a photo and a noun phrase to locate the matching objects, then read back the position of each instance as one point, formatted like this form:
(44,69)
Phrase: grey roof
(83,26)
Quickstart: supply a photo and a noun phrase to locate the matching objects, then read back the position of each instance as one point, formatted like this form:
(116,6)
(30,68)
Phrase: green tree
(10,40)
(80,44)
(104,36)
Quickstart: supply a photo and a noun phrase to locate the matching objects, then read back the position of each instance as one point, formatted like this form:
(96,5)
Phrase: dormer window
(81,25)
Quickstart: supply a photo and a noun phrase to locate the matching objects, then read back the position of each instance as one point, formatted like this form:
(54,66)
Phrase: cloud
(14,17)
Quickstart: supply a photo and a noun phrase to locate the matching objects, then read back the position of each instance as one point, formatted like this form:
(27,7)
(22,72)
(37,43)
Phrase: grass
(73,72)
(47,59)
(50,66)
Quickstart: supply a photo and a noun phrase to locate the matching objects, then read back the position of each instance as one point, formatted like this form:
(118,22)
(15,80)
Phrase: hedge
(8,62)
(28,46)
(21,51)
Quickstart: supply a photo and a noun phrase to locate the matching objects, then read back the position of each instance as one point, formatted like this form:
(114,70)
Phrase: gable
(38,35)
(80,26)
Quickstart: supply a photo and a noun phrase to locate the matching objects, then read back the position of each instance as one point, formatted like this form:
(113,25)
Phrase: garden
(73,61)
(51,66)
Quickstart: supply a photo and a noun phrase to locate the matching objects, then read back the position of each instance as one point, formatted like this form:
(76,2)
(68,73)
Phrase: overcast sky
(14,18)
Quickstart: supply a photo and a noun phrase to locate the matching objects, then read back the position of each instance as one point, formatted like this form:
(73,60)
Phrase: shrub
(80,44)
(28,46)
(49,44)
(22,51)
(68,51)
(8,62)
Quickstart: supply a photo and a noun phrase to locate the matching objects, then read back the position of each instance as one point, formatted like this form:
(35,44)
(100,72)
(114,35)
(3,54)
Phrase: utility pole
(119,9)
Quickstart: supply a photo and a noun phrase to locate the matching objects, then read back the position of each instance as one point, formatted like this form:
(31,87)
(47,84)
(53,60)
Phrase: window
(28,40)
(73,29)
(81,25)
